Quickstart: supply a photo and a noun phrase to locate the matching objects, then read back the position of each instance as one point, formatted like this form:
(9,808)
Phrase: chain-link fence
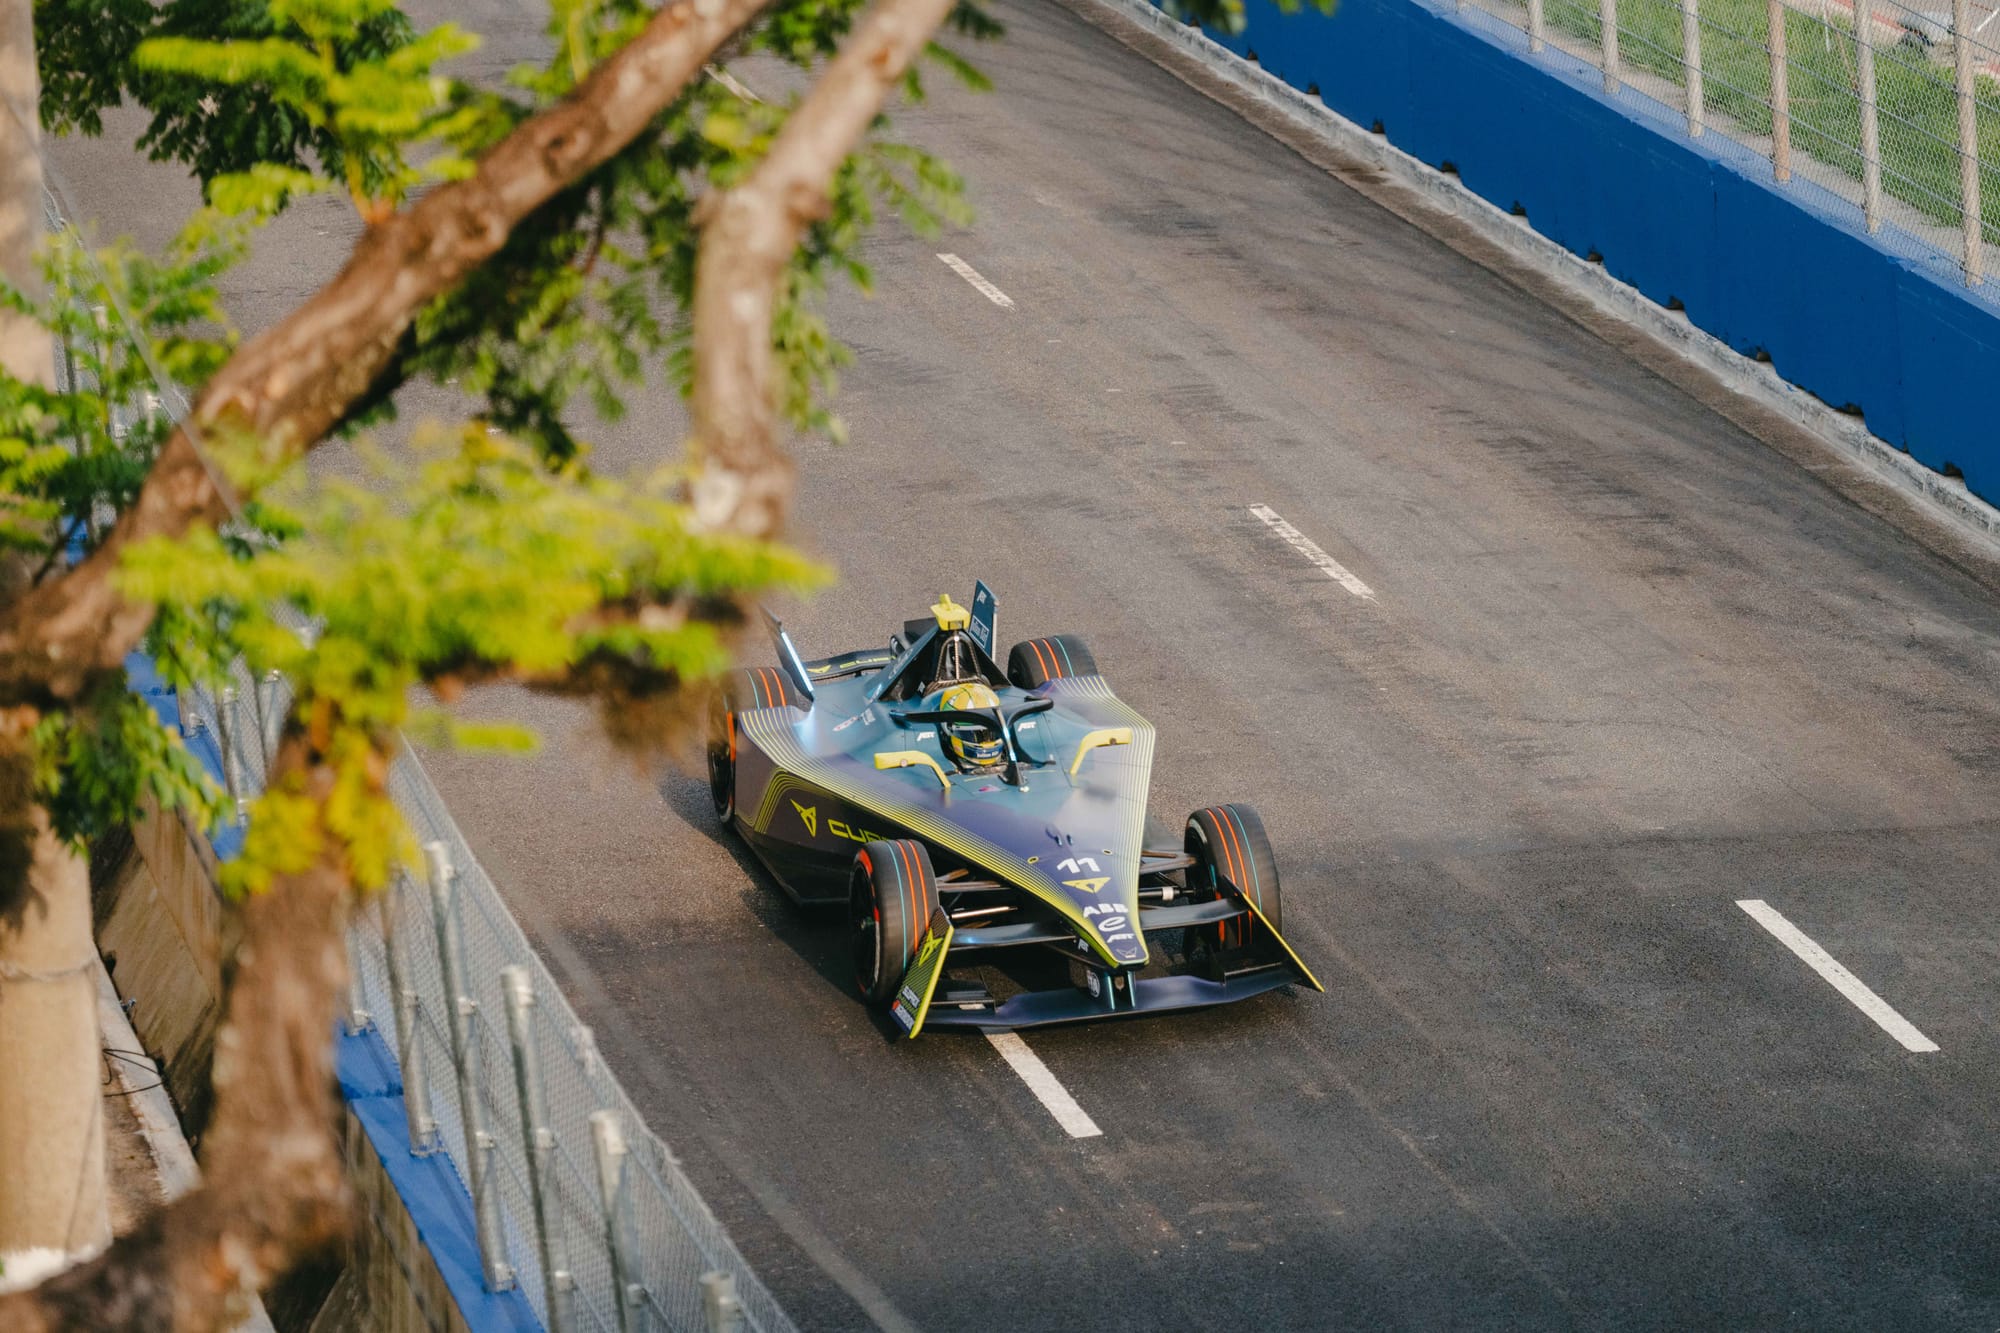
(1892,111)
(576,1201)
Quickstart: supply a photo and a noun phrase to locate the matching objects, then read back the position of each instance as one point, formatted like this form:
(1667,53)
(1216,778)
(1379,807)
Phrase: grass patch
(1917,108)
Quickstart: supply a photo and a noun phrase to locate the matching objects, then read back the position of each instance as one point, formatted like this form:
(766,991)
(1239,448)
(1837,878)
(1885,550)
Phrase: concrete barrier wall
(1775,271)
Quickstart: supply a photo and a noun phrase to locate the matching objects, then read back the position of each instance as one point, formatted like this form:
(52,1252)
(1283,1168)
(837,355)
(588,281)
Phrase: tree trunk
(273,1187)
(742,478)
(52,1196)
(24,344)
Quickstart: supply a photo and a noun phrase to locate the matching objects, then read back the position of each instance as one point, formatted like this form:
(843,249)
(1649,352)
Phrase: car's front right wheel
(1232,855)
(892,894)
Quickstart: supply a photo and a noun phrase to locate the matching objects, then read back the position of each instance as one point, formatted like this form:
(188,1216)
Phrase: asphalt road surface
(1623,666)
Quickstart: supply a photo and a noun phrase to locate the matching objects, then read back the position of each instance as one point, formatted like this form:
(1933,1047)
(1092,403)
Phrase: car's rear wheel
(1232,855)
(1033,663)
(892,894)
(742,689)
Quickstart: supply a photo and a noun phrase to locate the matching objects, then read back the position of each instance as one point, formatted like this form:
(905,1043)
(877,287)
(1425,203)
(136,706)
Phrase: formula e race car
(978,821)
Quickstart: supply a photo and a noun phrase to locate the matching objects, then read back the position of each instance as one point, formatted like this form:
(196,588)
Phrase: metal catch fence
(576,1201)
(1892,111)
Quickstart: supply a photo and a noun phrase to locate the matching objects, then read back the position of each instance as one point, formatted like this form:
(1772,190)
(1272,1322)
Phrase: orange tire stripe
(1256,877)
(903,849)
(1229,853)
(903,899)
(902,902)
(1234,855)
(1252,885)
(1048,668)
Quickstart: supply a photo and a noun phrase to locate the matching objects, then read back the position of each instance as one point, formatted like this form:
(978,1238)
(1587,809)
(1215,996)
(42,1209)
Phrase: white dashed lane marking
(1842,980)
(971,275)
(1309,548)
(1044,1085)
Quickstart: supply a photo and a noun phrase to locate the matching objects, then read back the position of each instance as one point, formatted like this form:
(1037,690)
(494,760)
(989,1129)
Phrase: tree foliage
(74,456)
(504,555)
(87,52)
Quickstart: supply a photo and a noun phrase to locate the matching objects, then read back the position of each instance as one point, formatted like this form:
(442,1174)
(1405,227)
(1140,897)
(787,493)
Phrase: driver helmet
(975,744)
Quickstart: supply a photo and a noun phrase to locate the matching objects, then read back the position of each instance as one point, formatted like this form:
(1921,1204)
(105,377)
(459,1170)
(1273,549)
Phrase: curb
(159,1126)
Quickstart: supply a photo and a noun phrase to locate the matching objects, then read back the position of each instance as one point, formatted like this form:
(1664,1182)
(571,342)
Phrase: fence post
(1781,93)
(607,1140)
(1871,115)
(1691,65)
(539,1145)
(409,1034)
(1607,22)
(267,712)
(228,730)
(358,1018)
(722,1312)
(185,706)
(1968,141)
(465,1055)
(1536,28)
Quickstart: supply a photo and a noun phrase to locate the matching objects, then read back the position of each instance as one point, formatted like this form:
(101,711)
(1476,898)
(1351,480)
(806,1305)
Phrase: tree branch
(273,1185)
(290,385)
(742,479)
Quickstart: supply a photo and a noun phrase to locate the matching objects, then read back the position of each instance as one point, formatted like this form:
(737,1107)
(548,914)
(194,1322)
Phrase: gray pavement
(1625,665)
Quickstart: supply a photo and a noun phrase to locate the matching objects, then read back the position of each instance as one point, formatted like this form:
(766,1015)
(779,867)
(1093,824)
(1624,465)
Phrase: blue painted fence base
(1787,272)
(436,1199)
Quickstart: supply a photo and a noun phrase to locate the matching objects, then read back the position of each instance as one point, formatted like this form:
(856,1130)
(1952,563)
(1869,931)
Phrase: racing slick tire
(1228,842)
(892,894)
(741,689)
(1033,663)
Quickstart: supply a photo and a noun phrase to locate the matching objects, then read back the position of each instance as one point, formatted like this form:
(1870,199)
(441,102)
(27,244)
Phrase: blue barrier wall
(1785,271)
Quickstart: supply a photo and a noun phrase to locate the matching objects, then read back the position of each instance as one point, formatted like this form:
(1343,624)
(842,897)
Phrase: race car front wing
(928,999)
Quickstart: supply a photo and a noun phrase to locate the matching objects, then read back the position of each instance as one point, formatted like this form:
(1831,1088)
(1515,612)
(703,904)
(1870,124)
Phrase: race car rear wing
(857,663)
